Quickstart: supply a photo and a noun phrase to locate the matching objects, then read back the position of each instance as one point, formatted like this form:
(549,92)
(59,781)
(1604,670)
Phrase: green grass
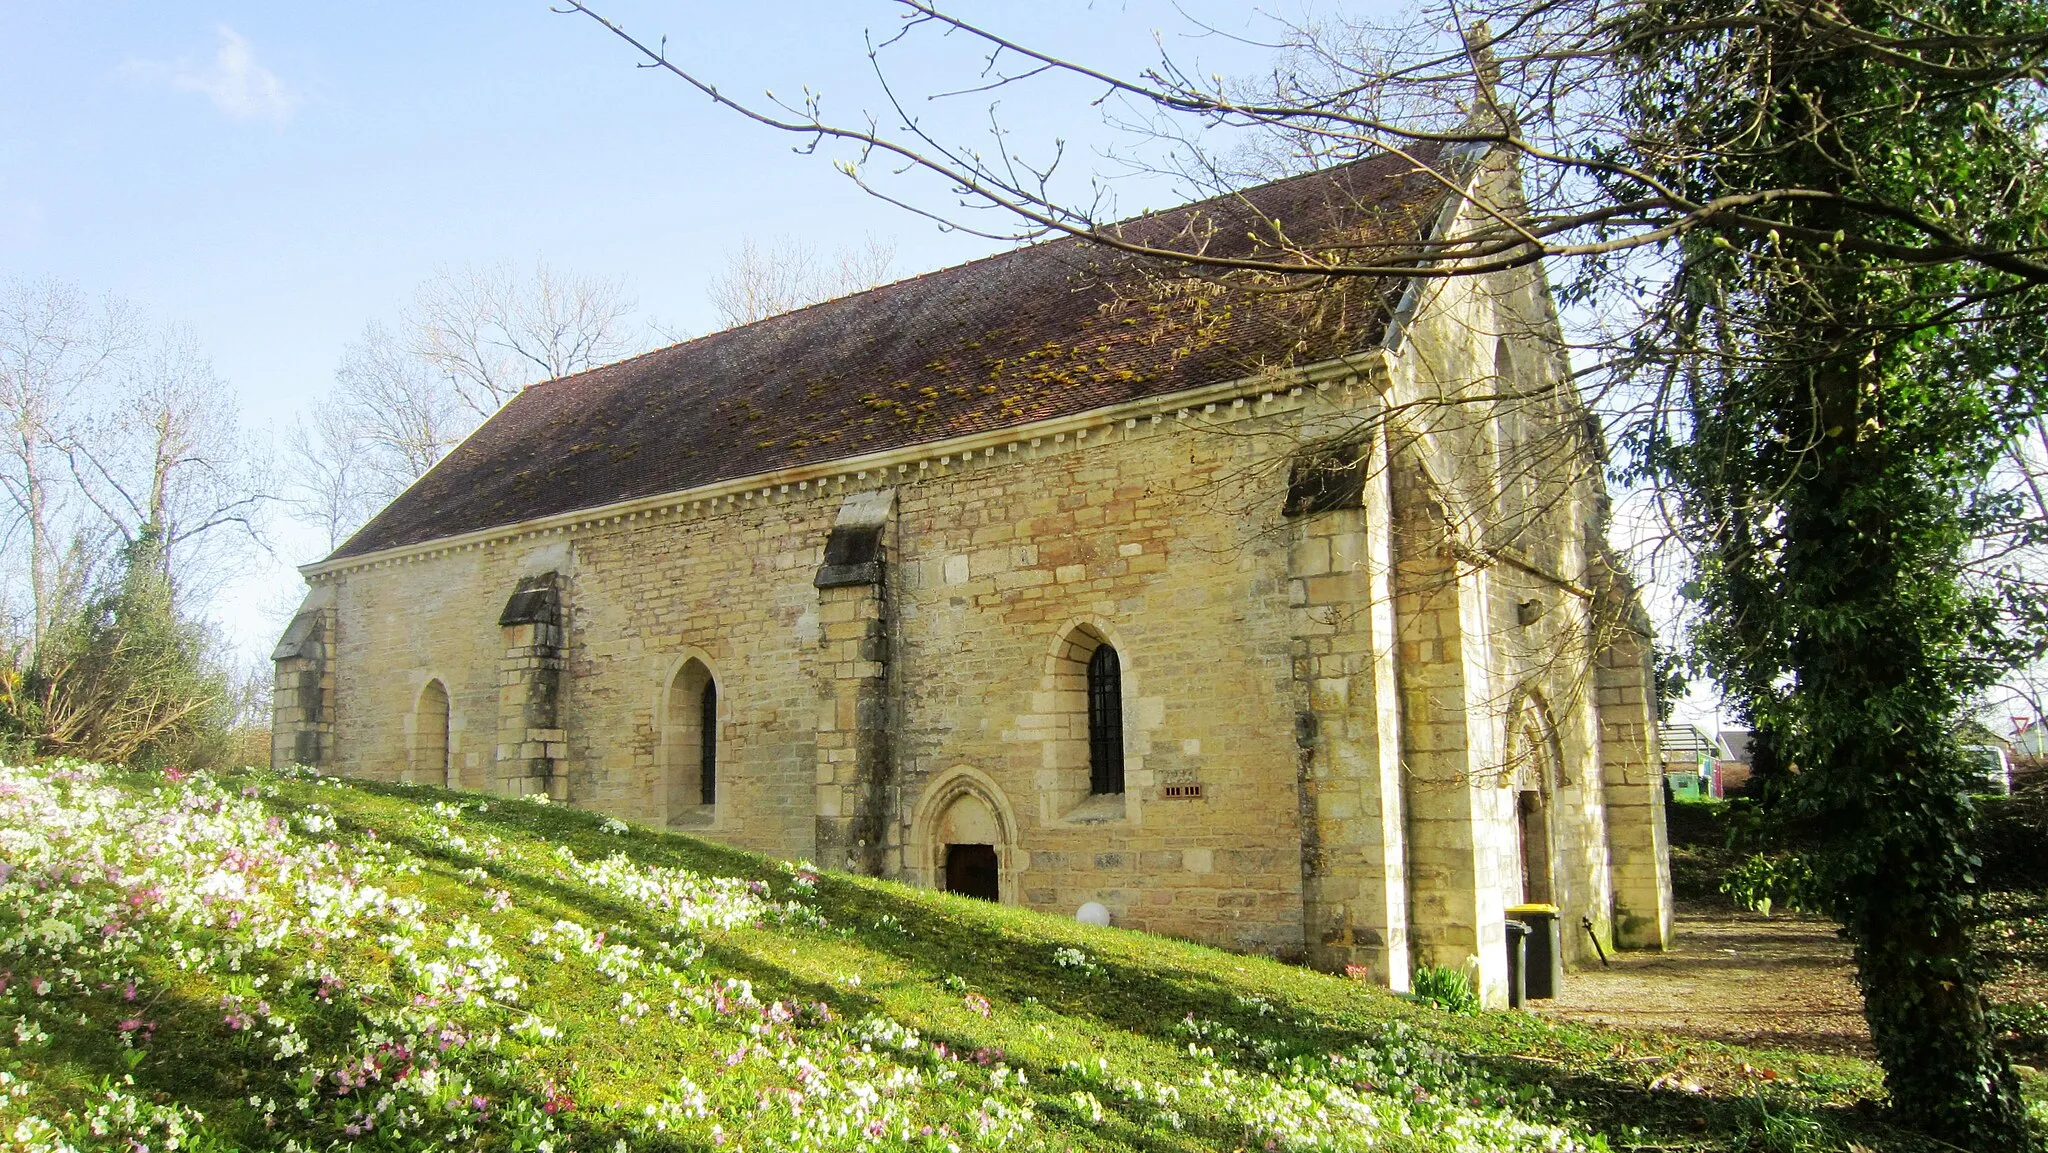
(840,1012)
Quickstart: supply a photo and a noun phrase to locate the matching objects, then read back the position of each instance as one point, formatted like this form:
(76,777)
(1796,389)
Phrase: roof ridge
(1030,333)
(1069,238)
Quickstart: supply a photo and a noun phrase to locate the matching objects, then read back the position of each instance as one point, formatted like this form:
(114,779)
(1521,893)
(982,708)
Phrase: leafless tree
(163,455)
(389,418)
(404,396)
(2021,559)
(56,348)
(133,492)
(407,420)
(487,332)
(332,487)
(763,280)
(1535,79)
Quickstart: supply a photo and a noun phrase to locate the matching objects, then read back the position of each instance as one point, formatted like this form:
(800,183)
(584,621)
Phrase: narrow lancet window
(708,736)
(431,762)
(1105,722)
(690,746)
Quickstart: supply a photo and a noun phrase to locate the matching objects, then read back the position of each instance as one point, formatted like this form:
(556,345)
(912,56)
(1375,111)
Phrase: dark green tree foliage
(122,677)
(1842,410)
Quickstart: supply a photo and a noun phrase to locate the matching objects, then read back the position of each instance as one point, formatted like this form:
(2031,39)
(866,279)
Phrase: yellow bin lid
(1530,910)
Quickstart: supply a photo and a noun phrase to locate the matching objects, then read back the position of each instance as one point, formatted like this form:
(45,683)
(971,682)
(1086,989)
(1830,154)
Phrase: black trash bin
(1544,971)
(1518,966)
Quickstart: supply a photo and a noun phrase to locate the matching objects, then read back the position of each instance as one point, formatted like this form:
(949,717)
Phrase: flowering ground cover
(287,961)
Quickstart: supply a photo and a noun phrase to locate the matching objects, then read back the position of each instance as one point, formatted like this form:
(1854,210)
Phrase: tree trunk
(1872,555)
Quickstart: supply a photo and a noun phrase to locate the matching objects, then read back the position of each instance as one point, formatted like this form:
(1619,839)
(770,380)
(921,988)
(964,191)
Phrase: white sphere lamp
(1092,913)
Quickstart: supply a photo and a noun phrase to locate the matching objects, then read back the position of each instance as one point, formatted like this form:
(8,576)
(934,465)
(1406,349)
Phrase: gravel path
(1783,981)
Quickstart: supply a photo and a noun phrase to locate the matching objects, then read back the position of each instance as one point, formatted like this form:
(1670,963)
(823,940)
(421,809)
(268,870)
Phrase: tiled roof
(1046,331)
(1736,741)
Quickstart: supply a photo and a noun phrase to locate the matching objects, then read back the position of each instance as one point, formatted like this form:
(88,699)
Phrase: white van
(1994,767)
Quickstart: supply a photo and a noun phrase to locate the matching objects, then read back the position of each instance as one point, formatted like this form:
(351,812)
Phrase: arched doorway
(1535,761)
(965,838)
(972,870)
(690,746)
(431,763)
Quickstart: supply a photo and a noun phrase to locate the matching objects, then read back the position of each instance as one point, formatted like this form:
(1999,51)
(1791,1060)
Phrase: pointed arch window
(707,737)
(690,746)
(431,761)
(1105,722)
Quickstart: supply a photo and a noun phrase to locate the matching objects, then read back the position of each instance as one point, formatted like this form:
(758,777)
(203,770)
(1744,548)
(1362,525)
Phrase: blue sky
(273,176)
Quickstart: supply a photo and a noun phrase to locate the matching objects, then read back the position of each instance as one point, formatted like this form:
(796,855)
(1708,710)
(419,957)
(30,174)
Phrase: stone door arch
(964,837)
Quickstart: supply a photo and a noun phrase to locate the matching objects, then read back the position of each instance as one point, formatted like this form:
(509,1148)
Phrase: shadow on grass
(193,1058)
(1146,986)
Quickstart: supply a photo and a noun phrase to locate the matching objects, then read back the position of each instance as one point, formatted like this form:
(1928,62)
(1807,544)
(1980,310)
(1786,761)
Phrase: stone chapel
(1279,621)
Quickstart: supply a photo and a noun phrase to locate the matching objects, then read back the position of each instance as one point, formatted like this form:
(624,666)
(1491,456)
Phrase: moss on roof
(1046,331)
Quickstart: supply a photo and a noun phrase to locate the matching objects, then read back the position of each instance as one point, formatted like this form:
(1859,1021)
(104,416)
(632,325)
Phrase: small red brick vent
(1183,792)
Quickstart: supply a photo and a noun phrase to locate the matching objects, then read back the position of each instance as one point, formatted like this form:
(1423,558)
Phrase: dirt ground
(1781,981)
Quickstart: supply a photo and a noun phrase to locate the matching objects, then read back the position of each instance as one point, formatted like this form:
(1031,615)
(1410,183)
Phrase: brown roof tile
(1046,331)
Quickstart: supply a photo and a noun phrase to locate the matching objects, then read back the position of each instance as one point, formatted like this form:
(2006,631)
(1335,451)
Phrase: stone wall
(1163,538)
(1519,741)
(1372,688)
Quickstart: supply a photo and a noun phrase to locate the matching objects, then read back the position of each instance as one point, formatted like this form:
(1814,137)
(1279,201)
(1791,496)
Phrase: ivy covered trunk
(1845,410)
(1874,545)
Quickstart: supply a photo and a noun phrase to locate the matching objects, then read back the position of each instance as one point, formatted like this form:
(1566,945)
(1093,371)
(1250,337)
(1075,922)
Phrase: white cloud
(237,84)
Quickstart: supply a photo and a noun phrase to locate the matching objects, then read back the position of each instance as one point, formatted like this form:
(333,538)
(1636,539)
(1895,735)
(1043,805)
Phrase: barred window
(1105,722)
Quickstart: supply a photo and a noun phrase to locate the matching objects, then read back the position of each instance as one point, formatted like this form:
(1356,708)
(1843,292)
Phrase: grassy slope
(1127,1042)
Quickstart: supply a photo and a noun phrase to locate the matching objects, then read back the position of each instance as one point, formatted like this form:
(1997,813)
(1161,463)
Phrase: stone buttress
(531,742)
(302,718)
(852,673)
(1346,730)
